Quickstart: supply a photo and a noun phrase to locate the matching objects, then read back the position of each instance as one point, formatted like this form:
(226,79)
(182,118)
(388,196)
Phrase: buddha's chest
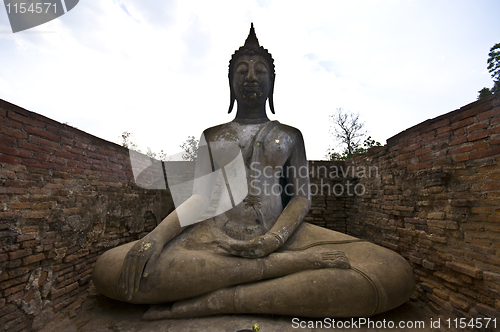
(242,142)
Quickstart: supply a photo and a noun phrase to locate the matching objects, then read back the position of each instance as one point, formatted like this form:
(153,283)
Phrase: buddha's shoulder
(279,129)
(289,130)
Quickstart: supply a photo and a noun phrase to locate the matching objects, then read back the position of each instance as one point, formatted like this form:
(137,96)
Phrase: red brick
(420,152)
(477,135)
(30,229)
(74,150)
(36,163)
(77,164)
(9,159)
(26,237)
(12,132)
(66,140)
(460,302)
(67,133)
(438,124)
(106,152)
(465,269)
(459,140)
(468,111)
(19,206)
(10,124)
(35,147)
(13,190)
(43,141)
(43,133)
(18,272)
(19,254)
(34,258)
(41,206)
(420,166)
(72,170)
(485,153)
(481,209)
(18,183)
(476,127)
(34,214)
(42,198)
(461,149)
(479,145)
(462,123)
(495,176)
(489,114)
(444,130)
(13,298)
(66,155)
(404,156)
(28,244)
(459,132)
(8,141)
(99,168)
(13,290)
(25,119)
(49,158)
(495,140)
(437,139)
(422,137)
(494,130)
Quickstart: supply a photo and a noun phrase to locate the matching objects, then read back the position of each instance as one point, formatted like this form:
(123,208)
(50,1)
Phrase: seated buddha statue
(257,256)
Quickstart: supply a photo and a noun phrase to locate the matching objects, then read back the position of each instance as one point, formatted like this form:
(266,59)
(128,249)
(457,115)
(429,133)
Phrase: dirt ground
(98,313)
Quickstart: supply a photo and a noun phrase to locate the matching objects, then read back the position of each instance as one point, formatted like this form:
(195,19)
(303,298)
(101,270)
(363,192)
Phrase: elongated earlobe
(233,98)
(271,94)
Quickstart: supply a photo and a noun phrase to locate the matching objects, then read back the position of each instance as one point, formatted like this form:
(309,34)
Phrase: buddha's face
(251,80)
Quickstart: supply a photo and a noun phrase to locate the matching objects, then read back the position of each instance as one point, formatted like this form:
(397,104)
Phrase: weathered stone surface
(269,260)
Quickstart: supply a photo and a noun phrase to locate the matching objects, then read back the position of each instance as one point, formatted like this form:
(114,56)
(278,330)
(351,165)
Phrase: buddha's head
(251,74)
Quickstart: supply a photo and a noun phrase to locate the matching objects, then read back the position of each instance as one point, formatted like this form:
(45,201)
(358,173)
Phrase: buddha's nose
(251,77)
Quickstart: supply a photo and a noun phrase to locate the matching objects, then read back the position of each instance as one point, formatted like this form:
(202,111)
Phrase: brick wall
(66,197)
(432,194)
(435,199)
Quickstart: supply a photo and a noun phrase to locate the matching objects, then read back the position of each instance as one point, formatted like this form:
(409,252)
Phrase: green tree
(190,147)
(494,70)
(347,128)
(127,141)
(484,92)
(348,131)
(494,62)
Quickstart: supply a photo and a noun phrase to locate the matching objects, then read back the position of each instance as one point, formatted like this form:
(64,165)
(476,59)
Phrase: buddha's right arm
(141,258)
(188,212)
(185,214)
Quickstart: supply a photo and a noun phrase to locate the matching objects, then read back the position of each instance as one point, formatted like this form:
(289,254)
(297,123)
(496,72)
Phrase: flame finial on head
(252,41)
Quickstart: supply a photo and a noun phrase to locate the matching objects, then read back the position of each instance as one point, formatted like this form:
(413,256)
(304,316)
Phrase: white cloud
(160,70)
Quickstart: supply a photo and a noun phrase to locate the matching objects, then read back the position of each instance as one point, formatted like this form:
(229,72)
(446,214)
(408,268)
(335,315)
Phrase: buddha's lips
(251,87)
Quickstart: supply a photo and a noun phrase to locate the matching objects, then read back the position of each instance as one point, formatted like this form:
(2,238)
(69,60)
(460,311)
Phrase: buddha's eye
(260,69)
(242,69)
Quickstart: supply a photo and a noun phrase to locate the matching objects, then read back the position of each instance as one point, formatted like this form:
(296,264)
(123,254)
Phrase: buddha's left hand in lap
(257,247)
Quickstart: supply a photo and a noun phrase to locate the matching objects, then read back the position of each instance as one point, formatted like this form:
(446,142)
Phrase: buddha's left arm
(300,202)
(292,215)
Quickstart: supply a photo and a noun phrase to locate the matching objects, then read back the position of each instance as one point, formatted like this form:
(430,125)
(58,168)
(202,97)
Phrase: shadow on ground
(98,313)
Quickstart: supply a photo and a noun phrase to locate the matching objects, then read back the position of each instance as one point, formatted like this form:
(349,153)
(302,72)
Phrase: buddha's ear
(232,97)
(271,93)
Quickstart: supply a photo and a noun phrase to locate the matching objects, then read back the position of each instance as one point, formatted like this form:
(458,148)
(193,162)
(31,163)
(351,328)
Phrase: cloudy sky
(159,68)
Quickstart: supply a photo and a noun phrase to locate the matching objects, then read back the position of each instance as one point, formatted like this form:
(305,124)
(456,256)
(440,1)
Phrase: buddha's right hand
(139,262)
